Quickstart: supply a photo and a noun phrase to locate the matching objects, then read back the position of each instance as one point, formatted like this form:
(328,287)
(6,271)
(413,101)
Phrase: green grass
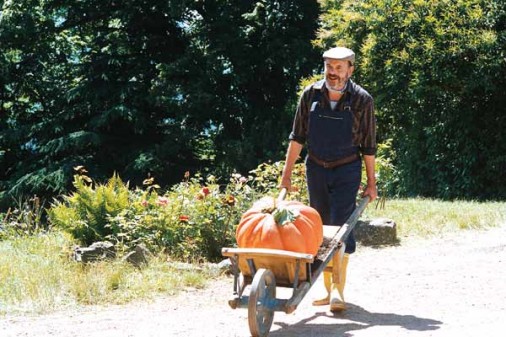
(37,276)
(425,217)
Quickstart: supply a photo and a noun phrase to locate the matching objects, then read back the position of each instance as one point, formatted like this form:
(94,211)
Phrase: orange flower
(230,200)
(184,218)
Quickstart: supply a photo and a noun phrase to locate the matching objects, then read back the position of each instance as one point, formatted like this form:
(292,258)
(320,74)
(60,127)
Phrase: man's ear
(351,69)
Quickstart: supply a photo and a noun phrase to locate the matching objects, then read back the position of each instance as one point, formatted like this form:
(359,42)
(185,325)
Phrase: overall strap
(317,95)
(347,103)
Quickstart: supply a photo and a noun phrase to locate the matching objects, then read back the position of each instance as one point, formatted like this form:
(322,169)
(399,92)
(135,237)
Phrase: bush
(437,72)
(191,221)
(26,218)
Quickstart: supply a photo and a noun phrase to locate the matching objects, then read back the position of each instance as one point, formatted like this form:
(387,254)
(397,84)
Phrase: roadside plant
(25,218)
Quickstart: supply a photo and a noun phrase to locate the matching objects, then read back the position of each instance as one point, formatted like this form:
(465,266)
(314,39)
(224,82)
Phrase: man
(335,119)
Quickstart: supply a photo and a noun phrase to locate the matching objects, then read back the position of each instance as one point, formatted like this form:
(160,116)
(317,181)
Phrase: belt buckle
(326,164)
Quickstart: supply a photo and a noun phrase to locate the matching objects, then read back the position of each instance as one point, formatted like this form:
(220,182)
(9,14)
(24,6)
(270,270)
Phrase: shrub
(191,221)
(436,69)
(25,218)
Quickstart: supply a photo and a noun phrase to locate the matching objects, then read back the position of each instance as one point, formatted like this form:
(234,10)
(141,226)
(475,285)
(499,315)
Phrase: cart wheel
(260,305)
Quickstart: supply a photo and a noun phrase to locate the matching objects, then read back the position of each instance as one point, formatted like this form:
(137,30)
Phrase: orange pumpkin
(287,225)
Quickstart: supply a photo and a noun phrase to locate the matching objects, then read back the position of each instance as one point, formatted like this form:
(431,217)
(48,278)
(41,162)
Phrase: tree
(146,87)
(437,71)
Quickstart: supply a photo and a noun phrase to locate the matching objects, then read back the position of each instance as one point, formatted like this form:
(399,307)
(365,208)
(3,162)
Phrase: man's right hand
(286,182)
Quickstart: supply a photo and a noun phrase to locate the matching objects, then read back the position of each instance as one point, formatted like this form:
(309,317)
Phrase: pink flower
(162,201)
(144,203)
(243,180)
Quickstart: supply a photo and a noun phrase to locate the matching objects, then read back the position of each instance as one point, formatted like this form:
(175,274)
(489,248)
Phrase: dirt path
(451,286)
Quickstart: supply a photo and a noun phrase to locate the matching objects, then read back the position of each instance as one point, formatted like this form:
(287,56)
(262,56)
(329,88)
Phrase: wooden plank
(281,255)
(281,262)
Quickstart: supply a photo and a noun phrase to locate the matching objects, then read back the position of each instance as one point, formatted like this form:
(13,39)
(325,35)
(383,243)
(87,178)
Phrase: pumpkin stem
(284,216)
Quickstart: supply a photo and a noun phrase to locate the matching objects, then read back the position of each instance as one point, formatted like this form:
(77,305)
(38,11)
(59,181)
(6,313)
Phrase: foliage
(26,218)
(384,169)
(85,212)
(437,71)
(191,221)
(138,87)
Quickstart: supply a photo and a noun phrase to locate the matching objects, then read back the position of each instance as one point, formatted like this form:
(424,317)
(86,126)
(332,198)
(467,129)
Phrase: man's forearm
(292,154)
(370,162)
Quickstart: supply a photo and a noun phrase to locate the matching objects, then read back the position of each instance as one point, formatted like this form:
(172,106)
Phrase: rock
(225,266)
(139,257)
(380,231)
(101,250)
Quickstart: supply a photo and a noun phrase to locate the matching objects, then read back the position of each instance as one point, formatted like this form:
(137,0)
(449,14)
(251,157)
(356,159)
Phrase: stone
(225,266)
(375,232)
(139,257)
(101,250)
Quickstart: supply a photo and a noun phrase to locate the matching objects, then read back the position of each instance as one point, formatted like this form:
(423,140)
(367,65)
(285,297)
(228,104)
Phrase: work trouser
(333,193)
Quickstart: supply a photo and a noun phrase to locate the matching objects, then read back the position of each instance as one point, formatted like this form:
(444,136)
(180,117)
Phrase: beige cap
(340,53)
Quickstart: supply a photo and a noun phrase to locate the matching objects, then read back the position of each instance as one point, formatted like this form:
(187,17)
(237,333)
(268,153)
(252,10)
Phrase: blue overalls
(332,191)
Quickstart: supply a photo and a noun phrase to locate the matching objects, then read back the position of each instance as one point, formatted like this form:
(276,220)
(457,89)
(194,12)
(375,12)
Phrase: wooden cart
(265,269)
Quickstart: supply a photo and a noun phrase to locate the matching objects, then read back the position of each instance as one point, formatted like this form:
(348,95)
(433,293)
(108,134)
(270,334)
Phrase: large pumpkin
(287,225)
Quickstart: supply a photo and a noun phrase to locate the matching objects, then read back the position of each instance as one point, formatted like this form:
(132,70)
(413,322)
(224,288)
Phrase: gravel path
(449,286)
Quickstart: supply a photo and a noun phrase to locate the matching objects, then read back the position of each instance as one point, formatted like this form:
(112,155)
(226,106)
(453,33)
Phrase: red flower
(184,218)
(205,191)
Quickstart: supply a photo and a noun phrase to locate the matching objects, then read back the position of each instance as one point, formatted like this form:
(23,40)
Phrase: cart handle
(282,194)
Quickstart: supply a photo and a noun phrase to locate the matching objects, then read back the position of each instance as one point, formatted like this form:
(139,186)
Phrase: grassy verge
(38,276)
(425,217)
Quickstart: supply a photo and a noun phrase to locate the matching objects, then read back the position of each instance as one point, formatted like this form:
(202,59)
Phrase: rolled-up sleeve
(300,121)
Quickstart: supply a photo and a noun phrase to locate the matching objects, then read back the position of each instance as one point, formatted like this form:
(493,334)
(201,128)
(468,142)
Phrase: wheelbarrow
(265,269)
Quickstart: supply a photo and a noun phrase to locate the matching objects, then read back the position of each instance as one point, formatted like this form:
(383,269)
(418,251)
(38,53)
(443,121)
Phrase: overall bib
(332,191)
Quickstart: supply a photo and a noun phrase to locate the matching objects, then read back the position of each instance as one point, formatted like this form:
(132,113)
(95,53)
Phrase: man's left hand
(371,191)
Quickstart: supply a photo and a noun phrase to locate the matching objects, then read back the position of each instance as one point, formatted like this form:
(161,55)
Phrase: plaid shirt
(362,106)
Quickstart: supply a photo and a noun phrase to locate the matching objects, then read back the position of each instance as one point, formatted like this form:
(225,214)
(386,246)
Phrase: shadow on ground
(324,324)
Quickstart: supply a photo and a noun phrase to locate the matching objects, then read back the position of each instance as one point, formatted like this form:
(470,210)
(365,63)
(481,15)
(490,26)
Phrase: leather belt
(333,163)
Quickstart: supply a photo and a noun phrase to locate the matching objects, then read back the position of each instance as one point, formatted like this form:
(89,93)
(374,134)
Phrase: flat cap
(340,53)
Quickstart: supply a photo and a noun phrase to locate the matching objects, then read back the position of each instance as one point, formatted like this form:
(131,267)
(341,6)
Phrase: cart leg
(261,304)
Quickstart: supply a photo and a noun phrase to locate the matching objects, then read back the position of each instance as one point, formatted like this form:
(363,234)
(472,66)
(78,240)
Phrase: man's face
(337,72)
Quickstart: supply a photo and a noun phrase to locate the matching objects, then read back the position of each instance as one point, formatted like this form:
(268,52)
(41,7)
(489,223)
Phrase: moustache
(335,78)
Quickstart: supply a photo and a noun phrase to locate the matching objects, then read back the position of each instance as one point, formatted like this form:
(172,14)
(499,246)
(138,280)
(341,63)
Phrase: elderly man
(335,120)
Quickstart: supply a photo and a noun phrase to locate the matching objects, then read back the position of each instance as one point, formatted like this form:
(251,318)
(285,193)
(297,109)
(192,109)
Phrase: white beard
(341,91)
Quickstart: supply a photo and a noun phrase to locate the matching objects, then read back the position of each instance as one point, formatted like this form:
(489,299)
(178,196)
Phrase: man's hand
(371,191)
(286,182)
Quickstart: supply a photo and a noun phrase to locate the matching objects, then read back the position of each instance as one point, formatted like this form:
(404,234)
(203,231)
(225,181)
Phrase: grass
(426,217)
(37,274)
